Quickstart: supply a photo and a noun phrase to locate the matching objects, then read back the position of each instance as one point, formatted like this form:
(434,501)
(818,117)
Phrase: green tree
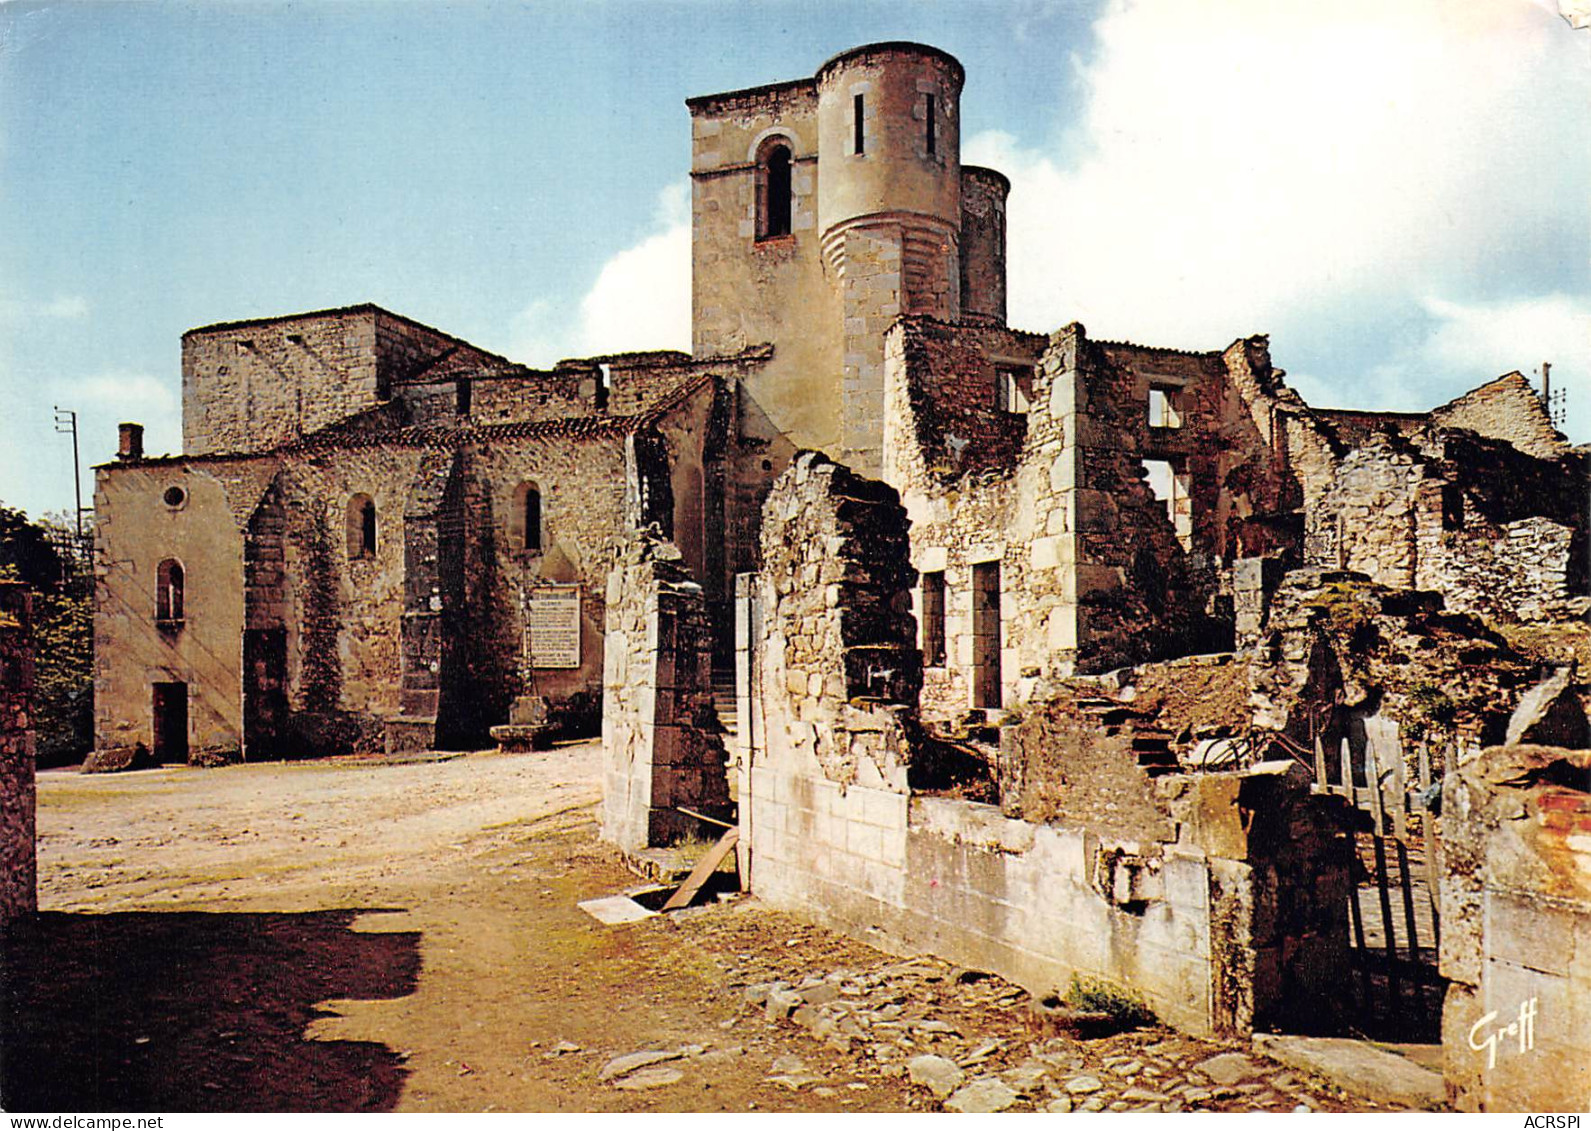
(63,631)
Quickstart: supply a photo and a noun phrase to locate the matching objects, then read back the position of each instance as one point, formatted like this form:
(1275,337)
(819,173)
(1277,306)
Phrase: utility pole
(66,421)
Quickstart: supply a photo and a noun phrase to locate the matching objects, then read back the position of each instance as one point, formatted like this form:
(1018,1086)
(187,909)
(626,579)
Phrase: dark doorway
(986,634)
(264,692)
(171,722)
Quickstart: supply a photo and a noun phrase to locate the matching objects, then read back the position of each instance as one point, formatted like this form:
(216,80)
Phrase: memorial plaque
(552,626)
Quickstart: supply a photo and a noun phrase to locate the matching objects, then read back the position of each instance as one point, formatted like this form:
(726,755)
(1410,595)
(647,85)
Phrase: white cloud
(121,391)
(62,307)
(641,298)
(1499,336)
(1241,162)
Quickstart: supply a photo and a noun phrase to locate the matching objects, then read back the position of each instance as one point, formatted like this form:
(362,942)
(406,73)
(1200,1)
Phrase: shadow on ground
(192,1011)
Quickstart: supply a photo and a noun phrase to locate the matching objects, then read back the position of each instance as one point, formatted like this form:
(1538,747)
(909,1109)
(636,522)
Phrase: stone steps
(727,706)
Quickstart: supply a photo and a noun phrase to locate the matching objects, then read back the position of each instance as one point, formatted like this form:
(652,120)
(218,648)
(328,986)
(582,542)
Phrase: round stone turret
(889,143)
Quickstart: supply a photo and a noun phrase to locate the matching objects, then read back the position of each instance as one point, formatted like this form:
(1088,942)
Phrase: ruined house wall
(1366,519)
(1225,925)
(1285,425)
(1091,574)
(18,860)
(1494,530)
(1505,409)
(662,746)
(1516,930)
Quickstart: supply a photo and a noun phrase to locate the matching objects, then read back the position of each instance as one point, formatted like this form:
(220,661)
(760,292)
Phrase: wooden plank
(1320,764)
(1406,882)
(705,817)
(1428,829)
(1373,780)
(705,867)
(1400,795)
(1345,766)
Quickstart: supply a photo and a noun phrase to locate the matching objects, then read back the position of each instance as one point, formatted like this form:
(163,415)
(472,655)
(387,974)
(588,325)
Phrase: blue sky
(1395,190)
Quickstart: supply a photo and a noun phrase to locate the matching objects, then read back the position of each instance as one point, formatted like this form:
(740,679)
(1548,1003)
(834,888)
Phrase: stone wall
(1505,409)
(1494,529)
(252,386)
(1516,930)
(662,745)
(1090,572)
(1224,921)
(18,869)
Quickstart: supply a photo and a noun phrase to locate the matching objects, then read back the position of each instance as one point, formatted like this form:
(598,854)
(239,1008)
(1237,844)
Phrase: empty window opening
(1170,485)
(169,592)
(361,527)
(169,708)
(526,518)
(986,634)
(774,193)
(463,394)
(932,126)
(1013,388)
(861,136)
(604,386)
(934,619)
(1163,408)
(174,496)
(1452,507)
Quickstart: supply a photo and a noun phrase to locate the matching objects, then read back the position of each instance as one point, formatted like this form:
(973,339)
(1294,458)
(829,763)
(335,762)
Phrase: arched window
(361,527)
(773,191)
(525,519)
(168,592)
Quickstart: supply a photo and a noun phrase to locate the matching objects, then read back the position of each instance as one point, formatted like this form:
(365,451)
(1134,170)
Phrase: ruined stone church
(378,535)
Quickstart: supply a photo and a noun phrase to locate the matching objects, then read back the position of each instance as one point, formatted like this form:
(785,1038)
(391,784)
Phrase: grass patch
(1095,995)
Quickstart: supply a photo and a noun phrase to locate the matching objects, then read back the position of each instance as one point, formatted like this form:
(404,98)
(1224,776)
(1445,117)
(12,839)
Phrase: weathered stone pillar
(1516,930)
(661,742)
(18,869)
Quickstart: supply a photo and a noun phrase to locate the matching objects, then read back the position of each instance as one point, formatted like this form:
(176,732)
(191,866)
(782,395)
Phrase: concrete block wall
(1516,930)
(18,867)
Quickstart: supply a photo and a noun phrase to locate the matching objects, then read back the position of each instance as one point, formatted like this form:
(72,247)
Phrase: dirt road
(341,935)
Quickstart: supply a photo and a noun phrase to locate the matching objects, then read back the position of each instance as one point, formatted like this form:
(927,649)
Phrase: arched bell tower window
(525,518)
(773,190)
(169,592)
(361,527)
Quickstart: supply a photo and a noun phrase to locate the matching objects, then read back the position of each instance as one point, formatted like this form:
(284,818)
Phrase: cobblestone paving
(969,1041)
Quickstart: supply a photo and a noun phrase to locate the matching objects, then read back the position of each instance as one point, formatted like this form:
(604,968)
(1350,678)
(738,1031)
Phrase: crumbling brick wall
(1222,914)
(1516,930)
(662,746)
(18,868)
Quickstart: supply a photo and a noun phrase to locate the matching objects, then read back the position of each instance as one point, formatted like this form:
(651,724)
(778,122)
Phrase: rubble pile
(1337,640)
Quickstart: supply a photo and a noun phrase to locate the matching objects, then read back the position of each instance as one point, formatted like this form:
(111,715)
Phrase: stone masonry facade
(1516,930)
(660,734)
